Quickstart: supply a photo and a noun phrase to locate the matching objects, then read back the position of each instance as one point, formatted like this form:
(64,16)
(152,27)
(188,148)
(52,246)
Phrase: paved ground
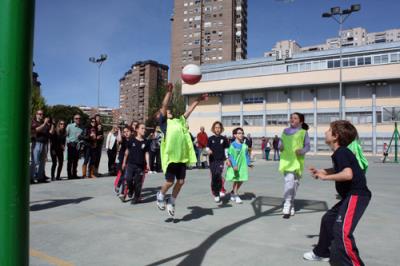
(82,222)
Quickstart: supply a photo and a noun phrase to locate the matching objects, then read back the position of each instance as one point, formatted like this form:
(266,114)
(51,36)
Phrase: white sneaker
(217,199)
(286,208)
(221,194)
(238,200)
(170,208)
(233,197)
(311,256)
(160,202)
(292,211)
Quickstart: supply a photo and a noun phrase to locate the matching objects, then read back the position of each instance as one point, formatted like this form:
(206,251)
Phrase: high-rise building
(207,31)
(350,37)
(137,86)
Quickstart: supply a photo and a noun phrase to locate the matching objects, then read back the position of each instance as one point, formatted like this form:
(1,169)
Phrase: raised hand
(170,87)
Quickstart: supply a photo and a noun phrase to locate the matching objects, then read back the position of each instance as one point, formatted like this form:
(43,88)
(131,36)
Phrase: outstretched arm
(203,97)
(166,100)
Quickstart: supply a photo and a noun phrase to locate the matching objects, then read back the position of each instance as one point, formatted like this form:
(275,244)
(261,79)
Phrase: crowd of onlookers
(76,141)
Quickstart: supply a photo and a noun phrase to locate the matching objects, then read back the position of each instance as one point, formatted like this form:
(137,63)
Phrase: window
(277,96)
(253,97)
(328,94)
(277,119)
(301,95)
(293,68)
(389,90)
(231,120)
(229,99)
(390,114)
(358,92)
(394,57)
(253,120)
(359,117)
(309,119)
(327,118)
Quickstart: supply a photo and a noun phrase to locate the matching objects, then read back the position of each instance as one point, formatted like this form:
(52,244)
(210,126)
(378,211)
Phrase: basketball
(191,74)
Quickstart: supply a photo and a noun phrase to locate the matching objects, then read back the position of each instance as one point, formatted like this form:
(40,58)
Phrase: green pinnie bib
(176,145)
(242,174)
(356,149)
(290,161)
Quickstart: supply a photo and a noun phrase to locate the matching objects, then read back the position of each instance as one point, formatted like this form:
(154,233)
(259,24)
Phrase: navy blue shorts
(176,170)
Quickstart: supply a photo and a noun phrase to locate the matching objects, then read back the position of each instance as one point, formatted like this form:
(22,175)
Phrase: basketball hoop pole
(16,42)
(395,137)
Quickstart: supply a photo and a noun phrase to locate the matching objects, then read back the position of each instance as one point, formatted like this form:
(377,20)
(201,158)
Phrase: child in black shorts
(336,242)
(176,150)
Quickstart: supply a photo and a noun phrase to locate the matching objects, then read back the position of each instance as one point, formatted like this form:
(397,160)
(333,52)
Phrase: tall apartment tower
(136,88)
(207,32)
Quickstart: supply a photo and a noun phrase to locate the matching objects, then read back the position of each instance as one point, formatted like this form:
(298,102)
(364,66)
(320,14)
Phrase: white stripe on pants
(291,186)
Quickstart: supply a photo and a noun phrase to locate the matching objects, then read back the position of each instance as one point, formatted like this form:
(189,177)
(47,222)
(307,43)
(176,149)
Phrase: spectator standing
(275,146)
(74,130)
(90,139)
(100,140)
(57,148)
(112,146)
(263,147)
(40,133)
(249,142)
(267,149)
(202,140)
(155,158)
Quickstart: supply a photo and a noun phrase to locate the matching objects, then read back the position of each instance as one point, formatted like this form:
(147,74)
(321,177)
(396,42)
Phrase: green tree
(37,100)
(176,105)
(66,113)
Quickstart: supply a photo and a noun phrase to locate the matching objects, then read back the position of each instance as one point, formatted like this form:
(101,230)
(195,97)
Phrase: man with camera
(40,133)
(74,130)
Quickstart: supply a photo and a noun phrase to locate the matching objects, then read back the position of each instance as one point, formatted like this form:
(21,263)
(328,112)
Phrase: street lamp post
(98,61)
(340,17)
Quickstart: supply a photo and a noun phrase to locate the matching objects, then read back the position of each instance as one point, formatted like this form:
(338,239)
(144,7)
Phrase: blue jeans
(38,160)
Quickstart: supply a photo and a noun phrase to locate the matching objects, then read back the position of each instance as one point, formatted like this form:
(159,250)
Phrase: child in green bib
(176,150)
(238,163)
(294,144)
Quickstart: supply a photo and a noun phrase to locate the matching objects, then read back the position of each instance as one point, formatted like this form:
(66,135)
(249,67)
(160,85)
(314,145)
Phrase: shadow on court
(196,255)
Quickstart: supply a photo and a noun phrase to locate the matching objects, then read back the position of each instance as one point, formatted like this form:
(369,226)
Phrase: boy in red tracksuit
(336,242)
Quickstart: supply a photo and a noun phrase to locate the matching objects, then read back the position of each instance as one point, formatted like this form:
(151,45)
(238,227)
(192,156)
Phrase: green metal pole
(16,44)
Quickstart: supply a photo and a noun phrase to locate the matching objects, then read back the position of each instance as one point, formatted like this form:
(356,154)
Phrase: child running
(336,241)
(136,161)
(176,150)
(294,144)
(217,149)
(239,161)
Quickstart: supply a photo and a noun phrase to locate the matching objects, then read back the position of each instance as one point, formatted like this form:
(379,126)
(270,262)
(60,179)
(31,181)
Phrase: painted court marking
(49,259)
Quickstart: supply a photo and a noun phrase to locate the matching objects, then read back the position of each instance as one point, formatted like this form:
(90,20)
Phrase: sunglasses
(39,113)
(77,118)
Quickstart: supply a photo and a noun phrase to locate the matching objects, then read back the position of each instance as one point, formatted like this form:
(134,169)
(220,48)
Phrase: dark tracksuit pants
(336,232)
(134,176)
(73,157)
(216,168)
(57,155)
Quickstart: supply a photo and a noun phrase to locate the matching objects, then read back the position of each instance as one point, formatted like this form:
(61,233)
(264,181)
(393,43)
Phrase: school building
(259,94)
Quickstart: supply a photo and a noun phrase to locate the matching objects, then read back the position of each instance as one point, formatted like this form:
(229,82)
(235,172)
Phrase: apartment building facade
(137,86)
(207,31)
(349,38)
(260,94)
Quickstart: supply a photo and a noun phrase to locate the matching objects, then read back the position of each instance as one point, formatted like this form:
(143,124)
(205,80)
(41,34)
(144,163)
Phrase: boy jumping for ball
(177,150)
